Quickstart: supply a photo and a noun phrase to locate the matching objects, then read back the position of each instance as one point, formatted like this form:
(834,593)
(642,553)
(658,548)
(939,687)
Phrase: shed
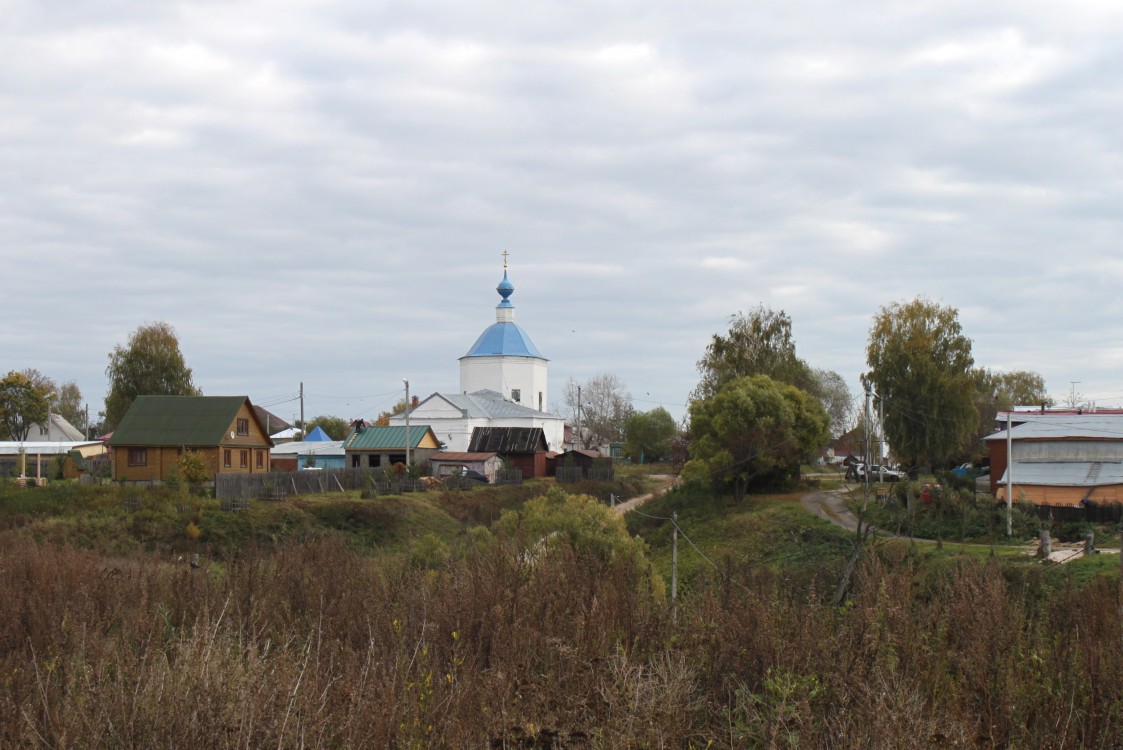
(524,447)
(449,463)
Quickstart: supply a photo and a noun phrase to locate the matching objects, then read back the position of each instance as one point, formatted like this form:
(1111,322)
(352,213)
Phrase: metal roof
(392,437)
(507,440)
(504,339)
(1058,427)
(1066,473)
(41,447)
(314,448)
(461,456)
(187,421)
(485,404)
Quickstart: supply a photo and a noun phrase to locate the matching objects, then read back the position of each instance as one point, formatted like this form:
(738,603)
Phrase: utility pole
(1009,479)
(880,439)
(674,558)
(1072,397)
(867,472)
(407,421)
(302,410)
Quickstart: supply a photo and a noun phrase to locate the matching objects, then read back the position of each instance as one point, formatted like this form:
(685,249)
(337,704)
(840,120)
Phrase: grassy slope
(96,518)
(772,530)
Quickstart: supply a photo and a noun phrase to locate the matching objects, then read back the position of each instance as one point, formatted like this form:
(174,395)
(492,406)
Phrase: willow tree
(753,431)
(920,367)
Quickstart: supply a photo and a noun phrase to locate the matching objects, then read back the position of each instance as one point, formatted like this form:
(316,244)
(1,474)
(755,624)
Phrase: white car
(880,473)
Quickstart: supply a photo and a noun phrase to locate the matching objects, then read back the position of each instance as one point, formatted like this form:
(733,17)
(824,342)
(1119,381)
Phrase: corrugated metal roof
(459,456)
(392,437)
(1065,473)
(504,339)
(1044,427)
(315,448)
(485,404)
(507,440)
(188,421)
(42,447)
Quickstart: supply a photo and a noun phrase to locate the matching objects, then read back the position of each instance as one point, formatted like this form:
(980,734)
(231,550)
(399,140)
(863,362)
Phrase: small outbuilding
(451,463)
(524,447)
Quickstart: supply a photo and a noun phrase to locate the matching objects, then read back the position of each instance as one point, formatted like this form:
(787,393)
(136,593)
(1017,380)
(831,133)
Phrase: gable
(434,407)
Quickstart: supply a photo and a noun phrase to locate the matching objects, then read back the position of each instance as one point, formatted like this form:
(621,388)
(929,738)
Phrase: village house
(380,447)
(156,430)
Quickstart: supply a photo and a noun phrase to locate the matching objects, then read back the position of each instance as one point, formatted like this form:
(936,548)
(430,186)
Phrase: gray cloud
(320,192)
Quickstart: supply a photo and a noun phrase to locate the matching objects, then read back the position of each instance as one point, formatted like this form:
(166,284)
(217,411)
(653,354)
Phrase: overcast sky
(321,191)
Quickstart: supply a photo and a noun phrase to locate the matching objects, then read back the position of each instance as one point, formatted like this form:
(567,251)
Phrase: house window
(261,459)
(516,395)
(226,462)
(355,461)
(244,459)
(243,426)
(374,460)
(138,457)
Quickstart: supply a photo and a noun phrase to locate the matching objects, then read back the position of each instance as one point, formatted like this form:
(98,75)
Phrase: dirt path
(666,483)
(831,506)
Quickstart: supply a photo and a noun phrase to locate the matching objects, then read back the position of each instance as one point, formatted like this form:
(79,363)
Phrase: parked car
(880,473)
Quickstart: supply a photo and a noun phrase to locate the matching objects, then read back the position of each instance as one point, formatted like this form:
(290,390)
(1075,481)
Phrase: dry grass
(318,646)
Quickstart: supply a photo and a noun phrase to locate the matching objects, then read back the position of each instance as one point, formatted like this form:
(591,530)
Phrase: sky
(321,192)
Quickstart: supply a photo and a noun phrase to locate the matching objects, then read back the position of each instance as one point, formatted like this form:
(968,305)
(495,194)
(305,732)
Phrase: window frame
(242,426)
(138,457)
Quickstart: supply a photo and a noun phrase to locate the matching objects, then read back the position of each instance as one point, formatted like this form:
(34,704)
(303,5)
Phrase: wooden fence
(1090,512)
(279,485)
(276,485)
(570,474)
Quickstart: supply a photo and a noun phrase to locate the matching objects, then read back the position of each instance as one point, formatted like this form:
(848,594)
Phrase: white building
(503,383)
(57,430)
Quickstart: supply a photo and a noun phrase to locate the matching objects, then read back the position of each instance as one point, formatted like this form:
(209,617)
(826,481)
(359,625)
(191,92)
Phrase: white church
(503,383)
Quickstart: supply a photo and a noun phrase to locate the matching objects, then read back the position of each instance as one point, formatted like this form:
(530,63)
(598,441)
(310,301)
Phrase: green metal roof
(382,438)
(188,421)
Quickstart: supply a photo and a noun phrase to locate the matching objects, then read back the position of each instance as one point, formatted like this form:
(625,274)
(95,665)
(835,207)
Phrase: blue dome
(504,339)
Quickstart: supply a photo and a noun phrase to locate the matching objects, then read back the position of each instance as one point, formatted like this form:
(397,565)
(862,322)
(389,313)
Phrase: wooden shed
(523,447)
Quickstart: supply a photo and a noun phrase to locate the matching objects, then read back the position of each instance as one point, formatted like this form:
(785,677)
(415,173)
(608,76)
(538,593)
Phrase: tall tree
(753,431)
(758,343)
(605,407)
(921,369)
(151,365)
(833,393)
(23,403)
(335,427)
(1000,391)
(648,434)
(68,404)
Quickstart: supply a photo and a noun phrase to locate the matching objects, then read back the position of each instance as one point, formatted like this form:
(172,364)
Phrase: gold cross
(505,254)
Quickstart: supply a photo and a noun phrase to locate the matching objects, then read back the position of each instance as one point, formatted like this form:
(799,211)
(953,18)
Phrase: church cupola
(504,359)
